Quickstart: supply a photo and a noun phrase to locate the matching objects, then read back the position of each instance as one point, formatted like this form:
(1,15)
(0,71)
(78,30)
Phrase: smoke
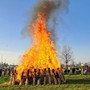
(48,7)
(51,9)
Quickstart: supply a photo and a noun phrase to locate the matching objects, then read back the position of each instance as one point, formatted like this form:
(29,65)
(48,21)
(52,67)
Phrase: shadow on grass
(78,81)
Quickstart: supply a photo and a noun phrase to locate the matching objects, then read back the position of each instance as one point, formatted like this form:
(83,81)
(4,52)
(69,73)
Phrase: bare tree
(67,55)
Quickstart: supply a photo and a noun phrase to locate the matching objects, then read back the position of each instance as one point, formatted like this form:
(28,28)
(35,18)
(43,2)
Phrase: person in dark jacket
(0,72)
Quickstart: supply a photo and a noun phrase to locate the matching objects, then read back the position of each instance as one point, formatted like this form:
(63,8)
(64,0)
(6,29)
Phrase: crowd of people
(4,71)
(41,76)
(78,70)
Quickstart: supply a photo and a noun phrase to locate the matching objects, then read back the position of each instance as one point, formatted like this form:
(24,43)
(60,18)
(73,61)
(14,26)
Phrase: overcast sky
(73,31)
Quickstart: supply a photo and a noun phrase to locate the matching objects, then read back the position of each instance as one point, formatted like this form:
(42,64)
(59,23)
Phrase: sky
(74,29)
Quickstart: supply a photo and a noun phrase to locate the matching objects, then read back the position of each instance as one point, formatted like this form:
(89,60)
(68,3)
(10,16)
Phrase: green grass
(74,82)
(4,79)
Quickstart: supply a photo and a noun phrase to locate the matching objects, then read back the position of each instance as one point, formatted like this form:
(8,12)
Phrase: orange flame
(42,54)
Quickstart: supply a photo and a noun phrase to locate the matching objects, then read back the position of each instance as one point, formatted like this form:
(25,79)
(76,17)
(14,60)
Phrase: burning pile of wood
(38,77)
(32,68)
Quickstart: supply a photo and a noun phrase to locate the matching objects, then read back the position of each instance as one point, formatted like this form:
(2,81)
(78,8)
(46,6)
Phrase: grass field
(74,82)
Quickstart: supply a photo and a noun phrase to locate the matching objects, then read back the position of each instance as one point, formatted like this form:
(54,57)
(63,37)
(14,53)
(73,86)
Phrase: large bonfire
(42,54)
